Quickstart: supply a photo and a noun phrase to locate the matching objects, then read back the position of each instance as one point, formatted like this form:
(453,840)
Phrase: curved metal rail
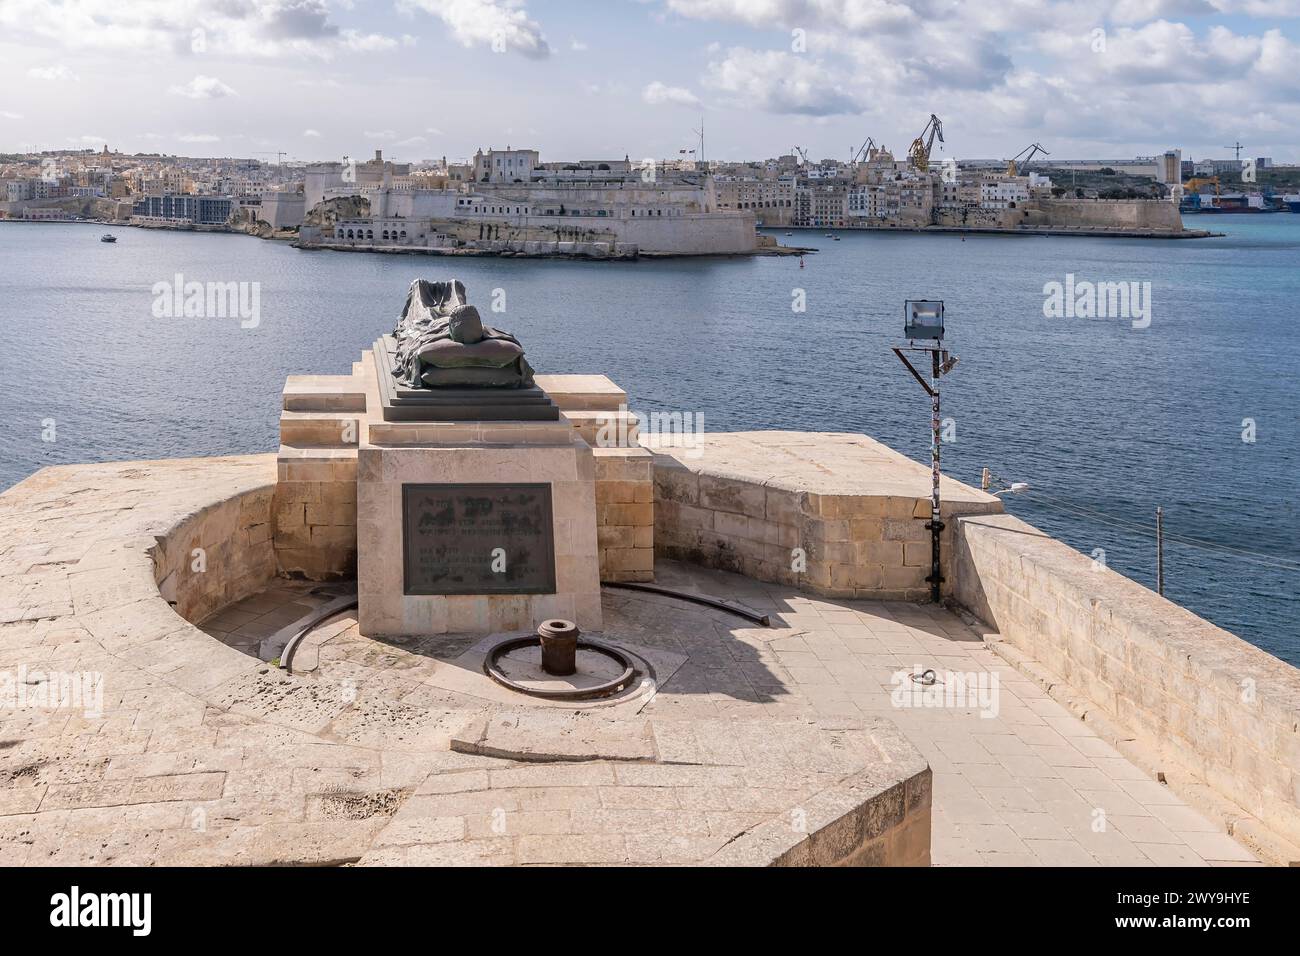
(607,689)
(733,607)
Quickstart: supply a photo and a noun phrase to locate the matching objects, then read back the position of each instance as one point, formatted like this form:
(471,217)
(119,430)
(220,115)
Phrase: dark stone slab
(401,403)
(451,533)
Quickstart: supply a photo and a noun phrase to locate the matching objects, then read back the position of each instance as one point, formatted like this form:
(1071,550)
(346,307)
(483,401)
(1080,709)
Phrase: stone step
(319,429)
(297,463)
(325,393)
(583,392)
(605,429)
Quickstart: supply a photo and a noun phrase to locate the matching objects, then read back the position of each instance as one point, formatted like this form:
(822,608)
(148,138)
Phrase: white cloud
(367,42)
(6,114)
(311,133)
(57,72)
(498,24)
(779,82)
(857,16)
(254,28)
(198,138)
(660,94)
(203,88)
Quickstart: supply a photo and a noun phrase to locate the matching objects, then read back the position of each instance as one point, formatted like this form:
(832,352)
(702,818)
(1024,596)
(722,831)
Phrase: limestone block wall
(839,515)
(625,498)
(316,513)
(1201,696)
(625,514)
(218,555)
(315,508)
(1122,213)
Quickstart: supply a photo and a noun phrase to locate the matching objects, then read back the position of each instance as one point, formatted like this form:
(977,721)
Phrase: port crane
(1016,165)
(803,154)
(919,154)
(863,152)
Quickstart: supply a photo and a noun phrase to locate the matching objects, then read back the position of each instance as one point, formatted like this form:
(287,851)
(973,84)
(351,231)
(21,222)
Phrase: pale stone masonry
(625,504)
(839,515)
(315,510)
(556,457)
(1202,704)
(204,754)
(327,418)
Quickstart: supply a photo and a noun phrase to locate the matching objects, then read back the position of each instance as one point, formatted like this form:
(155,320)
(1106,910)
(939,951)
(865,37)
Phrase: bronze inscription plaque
(478,539)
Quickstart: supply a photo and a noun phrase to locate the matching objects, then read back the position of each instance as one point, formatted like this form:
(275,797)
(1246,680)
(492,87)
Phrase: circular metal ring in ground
(607,689)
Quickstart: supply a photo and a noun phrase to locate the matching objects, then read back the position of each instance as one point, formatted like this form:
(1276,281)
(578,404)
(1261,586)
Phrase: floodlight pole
(936,525)
(924,320)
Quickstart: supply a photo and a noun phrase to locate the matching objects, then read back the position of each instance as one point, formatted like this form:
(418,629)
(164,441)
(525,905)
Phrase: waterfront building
(195,210)
(772,200)
(1170,167)
(505,165)
(334,180)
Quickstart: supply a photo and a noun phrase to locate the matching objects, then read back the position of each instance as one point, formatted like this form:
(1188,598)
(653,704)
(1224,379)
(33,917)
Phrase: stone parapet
(1195,695)
(839,515)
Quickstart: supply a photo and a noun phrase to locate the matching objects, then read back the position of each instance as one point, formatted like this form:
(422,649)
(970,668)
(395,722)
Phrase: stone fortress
(337,653)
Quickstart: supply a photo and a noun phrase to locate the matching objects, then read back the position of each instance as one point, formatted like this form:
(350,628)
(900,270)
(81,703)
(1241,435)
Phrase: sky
(596,79)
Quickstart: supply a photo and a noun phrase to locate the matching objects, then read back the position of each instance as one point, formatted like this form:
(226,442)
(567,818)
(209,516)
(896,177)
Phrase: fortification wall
(1104,213)
(1194,694)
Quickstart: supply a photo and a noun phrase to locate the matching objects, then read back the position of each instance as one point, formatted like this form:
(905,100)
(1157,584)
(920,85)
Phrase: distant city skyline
(422,79)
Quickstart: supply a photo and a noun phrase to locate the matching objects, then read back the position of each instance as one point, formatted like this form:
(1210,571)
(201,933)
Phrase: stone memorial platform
(784,698)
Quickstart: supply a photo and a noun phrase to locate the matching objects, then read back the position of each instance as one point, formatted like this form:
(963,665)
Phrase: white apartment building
(1004,193)
(505,165)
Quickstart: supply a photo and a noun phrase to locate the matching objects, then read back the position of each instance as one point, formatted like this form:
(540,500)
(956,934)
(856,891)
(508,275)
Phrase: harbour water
(1196,412)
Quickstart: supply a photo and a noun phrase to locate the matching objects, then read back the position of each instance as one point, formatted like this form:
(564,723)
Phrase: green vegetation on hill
(1105,183)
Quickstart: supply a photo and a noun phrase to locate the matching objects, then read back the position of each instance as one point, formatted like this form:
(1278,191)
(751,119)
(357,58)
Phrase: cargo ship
(1237,203)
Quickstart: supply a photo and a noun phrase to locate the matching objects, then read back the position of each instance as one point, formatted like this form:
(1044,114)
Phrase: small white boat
(108,237)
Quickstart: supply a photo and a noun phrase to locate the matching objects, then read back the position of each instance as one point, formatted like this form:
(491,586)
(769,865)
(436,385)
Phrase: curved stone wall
(217,555)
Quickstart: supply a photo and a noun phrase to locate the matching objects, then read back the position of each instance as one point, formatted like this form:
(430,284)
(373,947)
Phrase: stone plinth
(526,453)
(327,417)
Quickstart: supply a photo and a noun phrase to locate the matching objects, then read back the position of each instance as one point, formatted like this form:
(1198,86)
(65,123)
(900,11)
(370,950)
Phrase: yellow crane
(919,154)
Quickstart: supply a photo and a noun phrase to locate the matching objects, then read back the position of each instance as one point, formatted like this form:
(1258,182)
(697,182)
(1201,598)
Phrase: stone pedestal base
(568,467)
